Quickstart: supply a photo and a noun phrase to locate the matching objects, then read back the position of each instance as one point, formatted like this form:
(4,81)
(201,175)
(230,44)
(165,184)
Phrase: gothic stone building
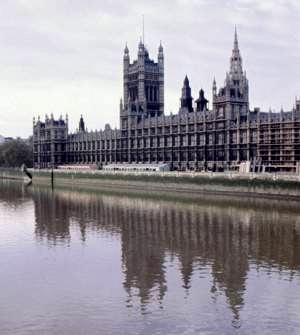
(195,138)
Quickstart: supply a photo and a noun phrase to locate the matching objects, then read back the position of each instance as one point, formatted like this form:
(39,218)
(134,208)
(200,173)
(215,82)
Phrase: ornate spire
(236,43)
(126,52)
(160,48)
(186,82)
(141,48)
(214,88)
(160,54)
(141,44)
(236,66)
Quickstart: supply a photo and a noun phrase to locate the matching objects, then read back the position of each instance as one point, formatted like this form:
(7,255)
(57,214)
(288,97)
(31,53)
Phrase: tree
(16,152)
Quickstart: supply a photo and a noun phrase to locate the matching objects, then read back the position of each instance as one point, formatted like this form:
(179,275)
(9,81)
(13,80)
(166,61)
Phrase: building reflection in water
(226,236)
(13,194)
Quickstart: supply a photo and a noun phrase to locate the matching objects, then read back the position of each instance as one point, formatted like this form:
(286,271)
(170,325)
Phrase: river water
(96,262)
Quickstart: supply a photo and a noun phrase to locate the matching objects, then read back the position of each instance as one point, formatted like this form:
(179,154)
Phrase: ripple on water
(80,262)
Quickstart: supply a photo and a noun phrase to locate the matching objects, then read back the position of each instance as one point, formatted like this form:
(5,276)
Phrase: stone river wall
(181,183)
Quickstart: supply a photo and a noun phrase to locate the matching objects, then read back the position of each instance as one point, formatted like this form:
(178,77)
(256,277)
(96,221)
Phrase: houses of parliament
(196,138)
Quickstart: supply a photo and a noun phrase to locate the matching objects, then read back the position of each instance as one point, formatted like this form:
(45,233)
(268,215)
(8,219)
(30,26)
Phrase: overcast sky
(65,56)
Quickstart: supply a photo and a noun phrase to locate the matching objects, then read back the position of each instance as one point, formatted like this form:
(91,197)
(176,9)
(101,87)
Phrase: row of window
(199,139)
(158,156)
(51,134)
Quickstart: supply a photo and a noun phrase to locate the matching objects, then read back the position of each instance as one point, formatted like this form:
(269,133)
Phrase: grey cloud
(49,46)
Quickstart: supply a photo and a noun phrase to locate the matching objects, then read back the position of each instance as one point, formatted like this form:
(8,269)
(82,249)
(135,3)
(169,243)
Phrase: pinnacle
(126,49)
(141,42)
(236,43)
(160,48)
(186,80)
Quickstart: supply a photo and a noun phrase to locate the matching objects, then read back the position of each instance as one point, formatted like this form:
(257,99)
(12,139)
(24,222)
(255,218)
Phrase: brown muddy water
(93,262)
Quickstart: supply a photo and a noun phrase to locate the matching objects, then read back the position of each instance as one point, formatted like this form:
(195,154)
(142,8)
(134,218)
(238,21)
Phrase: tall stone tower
(232,100)
(143,85)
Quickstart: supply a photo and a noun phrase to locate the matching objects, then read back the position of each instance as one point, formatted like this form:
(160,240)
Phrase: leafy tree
(16,152)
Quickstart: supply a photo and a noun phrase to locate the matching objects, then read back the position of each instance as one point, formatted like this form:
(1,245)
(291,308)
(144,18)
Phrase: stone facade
(195,138)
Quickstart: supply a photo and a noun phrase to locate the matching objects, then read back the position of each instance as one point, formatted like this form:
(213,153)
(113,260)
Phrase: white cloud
(66,56)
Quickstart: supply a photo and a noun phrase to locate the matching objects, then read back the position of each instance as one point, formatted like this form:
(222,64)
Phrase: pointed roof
(160,48)
(142,50)
(236,63)
(236,42)
(141,44)
(126,53)
(81,124)
(186,81)
(236,50)
(186,93)
(126,50)
(201,96)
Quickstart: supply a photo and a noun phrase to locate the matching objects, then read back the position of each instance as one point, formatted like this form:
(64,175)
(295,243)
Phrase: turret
(186,100)
(161,94)
(160,54)
(126,64)
(297,104)
(126,57)
(81,124)
(214,88)
(141,49)
(201,102)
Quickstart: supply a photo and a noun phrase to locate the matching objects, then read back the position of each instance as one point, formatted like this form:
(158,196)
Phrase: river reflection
(222,248)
